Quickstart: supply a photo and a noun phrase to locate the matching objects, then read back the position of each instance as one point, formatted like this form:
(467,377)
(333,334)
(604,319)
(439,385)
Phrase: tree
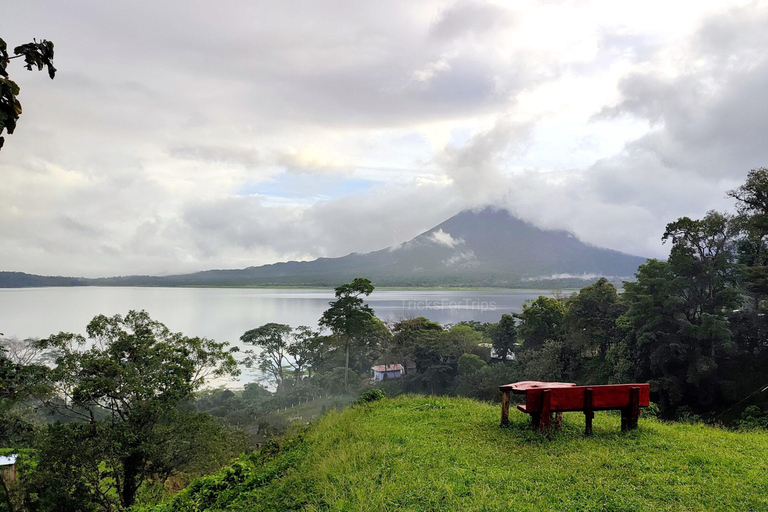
(273,339)
(35,54)
(590,331)
(458,340)
(20,380)
(306,342)
(752,207)
(470,363)
(504,337)
(349,316)
(123,389)
(677,322)
(407,335)
(541,320)
(752,203)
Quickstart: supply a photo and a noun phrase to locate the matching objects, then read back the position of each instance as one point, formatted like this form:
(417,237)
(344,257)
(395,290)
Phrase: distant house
(8,467)
(387,371)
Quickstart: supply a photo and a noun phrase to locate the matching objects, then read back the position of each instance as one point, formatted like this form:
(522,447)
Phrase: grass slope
(427,453)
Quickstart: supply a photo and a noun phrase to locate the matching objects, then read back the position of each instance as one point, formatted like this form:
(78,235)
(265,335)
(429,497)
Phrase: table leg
(504,408)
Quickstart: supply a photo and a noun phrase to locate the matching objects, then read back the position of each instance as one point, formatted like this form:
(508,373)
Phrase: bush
(652,411)
(753,418)
(372,395)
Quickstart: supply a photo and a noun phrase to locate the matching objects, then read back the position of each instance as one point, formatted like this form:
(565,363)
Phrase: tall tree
(273,340)
(504,336)
(541,320)
(409,334)
(590,332)
(677,321)
(36,55)
(305,343)
(123,389)
(752,207)
(349,316)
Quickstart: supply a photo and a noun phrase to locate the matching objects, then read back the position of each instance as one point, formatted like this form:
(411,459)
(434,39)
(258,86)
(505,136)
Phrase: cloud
(191,138)
(218,154)
(440,237)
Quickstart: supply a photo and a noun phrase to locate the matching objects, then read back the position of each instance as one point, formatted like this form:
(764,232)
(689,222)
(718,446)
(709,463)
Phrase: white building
(387,371)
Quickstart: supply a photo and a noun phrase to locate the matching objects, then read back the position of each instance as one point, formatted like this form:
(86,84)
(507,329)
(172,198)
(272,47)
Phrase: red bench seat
(541,400)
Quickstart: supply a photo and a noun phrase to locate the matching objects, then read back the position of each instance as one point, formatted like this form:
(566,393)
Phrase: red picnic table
(544,398)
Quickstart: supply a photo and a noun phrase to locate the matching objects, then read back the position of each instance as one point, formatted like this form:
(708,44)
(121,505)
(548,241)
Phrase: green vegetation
(36,55)
(428,453)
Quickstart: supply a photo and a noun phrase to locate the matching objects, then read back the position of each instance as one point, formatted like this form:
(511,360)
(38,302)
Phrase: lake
(224,314)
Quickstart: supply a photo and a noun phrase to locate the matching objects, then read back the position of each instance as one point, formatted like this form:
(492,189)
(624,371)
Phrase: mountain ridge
(486,247)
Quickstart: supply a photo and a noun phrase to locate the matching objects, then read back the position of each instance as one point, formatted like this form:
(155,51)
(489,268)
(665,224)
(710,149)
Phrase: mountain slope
(473,248)
(437,453)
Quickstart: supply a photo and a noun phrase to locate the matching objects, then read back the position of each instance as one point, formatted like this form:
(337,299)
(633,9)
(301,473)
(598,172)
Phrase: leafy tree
(470,363)
(458,340)
(677,322)
(306,343)
(752,203)
(35,54)
(544,364)
(541,320)
(255,391)
(752,207)
(590,332)
(407,335)
(273,340)
(504,336)
(18,383)
(349,317)
(125,387)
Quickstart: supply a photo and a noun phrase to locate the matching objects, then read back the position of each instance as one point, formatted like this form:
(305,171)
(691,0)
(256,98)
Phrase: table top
(523,386)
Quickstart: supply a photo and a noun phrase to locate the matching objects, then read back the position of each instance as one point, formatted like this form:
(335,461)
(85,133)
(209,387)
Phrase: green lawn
(427,453)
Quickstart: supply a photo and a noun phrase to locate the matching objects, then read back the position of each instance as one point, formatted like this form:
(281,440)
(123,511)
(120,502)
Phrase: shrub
(371,395)
(753,417)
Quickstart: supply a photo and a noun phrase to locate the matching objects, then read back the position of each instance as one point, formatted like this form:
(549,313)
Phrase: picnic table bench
(544,398)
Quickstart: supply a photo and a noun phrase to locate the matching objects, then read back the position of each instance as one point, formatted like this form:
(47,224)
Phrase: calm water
(224,314)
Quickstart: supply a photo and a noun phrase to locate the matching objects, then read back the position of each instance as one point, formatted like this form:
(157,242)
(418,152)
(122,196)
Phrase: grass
(428,453)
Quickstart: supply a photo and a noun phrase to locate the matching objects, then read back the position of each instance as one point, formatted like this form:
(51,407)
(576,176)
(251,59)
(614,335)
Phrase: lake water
(224,314)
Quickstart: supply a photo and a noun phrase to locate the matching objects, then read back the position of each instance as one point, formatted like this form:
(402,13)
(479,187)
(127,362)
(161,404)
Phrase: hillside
(473,248)
(427,453)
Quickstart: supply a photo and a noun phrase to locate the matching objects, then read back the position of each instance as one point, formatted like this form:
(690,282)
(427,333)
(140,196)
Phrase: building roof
(8,460)
(388,368)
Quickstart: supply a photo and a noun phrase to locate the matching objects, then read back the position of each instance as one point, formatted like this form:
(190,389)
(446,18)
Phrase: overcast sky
(186,135)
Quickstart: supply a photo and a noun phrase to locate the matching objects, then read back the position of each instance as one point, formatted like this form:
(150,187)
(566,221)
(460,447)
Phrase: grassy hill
(427,453)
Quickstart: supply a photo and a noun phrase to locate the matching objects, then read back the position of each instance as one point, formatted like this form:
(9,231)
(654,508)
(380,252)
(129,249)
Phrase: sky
(187,135)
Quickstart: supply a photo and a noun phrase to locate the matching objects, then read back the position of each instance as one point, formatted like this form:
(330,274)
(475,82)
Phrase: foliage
(753,417)
(127,386)
(273,340)
(36,55)
(413,453)
(408,335)
(484,383)
(504,337)
(21,379)
(371,395)
(349,317)
(541,320)
(677,322)
(470,363)
(545,364)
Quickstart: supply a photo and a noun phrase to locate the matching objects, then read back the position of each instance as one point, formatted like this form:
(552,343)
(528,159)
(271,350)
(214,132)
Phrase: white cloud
(440,237)
(192,137)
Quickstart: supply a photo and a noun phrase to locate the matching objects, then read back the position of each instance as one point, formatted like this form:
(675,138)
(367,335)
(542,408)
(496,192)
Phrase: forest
(130,414)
